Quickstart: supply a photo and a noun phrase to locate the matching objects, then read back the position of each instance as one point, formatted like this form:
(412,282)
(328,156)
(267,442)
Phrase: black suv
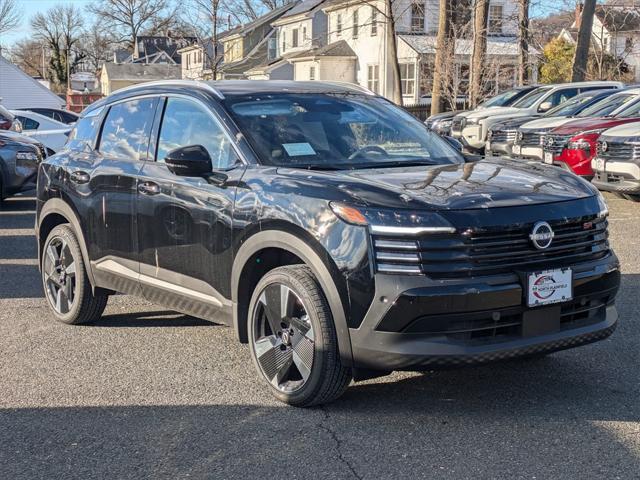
(337,235)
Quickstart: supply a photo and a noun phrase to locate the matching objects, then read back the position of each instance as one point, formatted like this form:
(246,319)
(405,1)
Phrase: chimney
(578,19)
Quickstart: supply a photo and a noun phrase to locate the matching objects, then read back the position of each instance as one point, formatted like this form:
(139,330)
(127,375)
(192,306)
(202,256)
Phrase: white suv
(472,127)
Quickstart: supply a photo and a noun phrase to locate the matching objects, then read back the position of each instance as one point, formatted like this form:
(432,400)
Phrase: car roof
(38,117)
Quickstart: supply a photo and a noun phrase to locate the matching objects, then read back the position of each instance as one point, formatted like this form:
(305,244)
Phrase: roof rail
(353,86)
(179,83)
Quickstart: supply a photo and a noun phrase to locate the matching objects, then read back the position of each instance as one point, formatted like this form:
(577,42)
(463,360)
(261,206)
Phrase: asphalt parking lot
(148,393)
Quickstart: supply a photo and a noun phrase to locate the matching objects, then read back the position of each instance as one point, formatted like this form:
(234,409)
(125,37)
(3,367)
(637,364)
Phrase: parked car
(51,133)
(473,127)
(57,114)
(530,137)
(331,229)
(19,160)
(8,120)
(508,138)
(572,146)
(617,162)
(441,122)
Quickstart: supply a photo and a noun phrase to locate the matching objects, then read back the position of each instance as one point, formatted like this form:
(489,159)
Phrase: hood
(629,131)
(444,116)
(587,124)
(8,135)
(484,184)
(546,123)
(494,111)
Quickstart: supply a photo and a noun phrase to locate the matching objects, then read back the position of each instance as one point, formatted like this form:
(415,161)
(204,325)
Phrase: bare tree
(60,28)
(206,21)
(129,18)
(32,56)
(9,15)
(96,46)
(523,41)
(581,59)
(480,20)
(443,55)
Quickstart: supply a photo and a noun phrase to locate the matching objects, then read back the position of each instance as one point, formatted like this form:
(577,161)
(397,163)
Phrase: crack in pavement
(338,443)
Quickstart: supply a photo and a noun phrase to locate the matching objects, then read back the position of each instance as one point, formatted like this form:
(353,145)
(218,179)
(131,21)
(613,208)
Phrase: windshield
(531,98)
(632,111)
(501,99)
(607,106)
(335,131)
(570,106)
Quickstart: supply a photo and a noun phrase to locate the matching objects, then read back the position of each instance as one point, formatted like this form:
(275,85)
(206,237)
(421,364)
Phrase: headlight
(472,121)
(580,144)
(27,156)
(604,210)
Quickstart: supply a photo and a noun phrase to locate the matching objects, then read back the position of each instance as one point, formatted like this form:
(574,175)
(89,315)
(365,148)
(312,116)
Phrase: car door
(184,223)
(107,182)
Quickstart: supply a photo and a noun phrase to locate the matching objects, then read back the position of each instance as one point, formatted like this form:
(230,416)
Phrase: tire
(304,354)
(75,303)
(632,196)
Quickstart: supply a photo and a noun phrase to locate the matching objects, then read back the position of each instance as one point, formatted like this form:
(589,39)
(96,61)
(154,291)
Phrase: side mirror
(453,142)
(190,161)
(545,107)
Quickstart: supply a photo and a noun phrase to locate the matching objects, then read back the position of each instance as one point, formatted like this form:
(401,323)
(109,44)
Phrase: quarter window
(84,133)
(28,123)
(127,128)
(187,123)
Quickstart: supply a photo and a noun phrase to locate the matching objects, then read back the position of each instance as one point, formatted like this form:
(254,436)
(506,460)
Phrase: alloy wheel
(59,275)
(283,338)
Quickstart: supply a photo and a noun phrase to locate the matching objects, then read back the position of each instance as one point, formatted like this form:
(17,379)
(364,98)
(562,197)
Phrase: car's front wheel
(293,338)
(64,277)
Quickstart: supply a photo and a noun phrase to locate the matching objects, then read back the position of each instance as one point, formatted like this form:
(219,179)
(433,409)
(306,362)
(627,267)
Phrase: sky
(28,8)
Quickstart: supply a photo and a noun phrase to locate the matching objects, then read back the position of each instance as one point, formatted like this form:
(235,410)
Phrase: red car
(573,145)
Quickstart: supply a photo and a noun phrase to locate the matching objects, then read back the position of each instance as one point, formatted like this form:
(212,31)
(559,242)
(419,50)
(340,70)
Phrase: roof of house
(616,19)
(336,49)
(302,7)
(19,90)
(142,72)
(148,46)
(257,56)
(242,30)
(426,44)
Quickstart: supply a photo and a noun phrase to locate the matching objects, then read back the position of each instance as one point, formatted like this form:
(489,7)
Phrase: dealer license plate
(549,286)
(548,158)
(517,149)
(600,164)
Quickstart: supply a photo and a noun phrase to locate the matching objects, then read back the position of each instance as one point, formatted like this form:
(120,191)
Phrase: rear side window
(28,123)
(83,136)
(562,96)
(127,128)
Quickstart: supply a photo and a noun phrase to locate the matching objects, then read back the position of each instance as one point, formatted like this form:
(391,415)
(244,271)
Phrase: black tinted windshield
(335,131)
(503,99)
(531,98)
(608,105)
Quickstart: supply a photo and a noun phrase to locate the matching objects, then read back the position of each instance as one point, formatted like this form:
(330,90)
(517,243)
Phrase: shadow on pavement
(165,318)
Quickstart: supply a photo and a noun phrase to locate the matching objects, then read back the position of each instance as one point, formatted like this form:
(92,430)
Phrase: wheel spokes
(273,358)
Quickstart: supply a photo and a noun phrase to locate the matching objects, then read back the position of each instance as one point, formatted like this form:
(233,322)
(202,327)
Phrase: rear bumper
(448,323)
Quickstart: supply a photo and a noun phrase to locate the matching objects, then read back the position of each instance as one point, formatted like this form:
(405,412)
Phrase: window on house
(284,41)
(304,34)
(312,73)
(373,78)
(339,25)
(496,19)
(417,17)
(374,21)
(355,24)
(294,38)
(272,48)
(199,56)
(408,78)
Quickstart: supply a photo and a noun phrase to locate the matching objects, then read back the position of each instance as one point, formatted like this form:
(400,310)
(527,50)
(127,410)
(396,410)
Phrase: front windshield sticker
(298,149)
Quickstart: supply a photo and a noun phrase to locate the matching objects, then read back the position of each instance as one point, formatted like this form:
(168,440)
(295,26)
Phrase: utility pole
(68,70)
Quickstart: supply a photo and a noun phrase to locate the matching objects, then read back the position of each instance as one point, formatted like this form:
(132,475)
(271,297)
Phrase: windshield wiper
(397,163)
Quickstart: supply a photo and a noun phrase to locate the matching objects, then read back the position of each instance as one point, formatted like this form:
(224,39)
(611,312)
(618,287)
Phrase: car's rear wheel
(64,277)
(293,339)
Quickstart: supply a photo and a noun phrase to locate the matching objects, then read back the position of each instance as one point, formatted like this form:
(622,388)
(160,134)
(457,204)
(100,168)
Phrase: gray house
(19,90)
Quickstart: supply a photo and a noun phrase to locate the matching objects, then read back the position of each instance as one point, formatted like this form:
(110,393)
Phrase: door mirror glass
(545,107)
(190,161)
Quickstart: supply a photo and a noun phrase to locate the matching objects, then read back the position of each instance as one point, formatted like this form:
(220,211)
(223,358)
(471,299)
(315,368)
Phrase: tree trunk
(581,58)
(444,35)
(390,32)
(480,18)
(523,42)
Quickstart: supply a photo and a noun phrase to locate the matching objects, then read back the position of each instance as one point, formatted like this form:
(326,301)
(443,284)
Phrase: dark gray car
(19,160)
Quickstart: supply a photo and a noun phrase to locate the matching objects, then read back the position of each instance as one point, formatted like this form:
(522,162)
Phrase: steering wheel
(368,148)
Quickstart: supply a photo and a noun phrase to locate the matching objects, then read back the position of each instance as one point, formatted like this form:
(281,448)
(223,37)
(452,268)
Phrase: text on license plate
(600,165)
(548,158)
(550,286)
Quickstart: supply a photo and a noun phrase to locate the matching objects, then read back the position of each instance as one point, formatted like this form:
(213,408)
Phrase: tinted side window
(84,134)
(562,96)
(126,129)
(187,123)
(28,123)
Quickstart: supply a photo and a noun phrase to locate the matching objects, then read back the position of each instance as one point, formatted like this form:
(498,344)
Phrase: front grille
(503,136)
(42,151)
(621,152)
(491,251)
(556,143)
(531,139)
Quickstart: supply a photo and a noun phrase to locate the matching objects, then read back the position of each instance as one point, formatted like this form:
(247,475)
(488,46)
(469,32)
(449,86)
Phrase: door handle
(149,188)
(79,177)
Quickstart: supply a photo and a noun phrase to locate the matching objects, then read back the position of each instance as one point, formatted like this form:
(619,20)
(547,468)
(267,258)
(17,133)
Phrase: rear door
(108,185)
(184,223)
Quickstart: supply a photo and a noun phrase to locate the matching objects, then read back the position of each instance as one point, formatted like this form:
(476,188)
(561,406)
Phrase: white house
(362,25)
(19,90)
(616,31)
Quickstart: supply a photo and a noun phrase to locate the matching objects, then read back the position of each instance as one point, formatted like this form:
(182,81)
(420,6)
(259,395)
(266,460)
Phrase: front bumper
(436,323)
(528,152)
(494,149)
(620,177)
